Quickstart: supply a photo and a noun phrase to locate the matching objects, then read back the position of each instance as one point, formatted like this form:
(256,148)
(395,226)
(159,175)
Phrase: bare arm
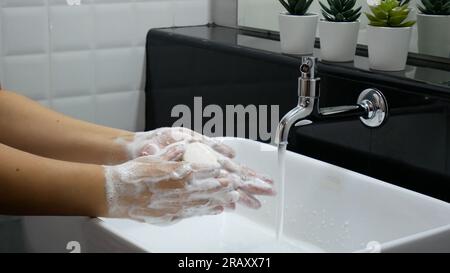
(33,185)
(28,126)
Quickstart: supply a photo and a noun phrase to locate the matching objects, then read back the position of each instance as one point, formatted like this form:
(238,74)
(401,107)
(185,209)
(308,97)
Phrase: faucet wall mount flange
(375,104)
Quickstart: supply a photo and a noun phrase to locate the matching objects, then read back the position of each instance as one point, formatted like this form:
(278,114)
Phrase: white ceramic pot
(298,33)
(338,40)
(433,34)
(388,47)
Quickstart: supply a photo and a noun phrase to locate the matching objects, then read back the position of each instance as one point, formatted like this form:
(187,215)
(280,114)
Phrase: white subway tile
(140,122)
(77,107)
(152,14)
(119,110)
(71,27)
(24,30)
(27,75)
(82,57)
(114,25)
(22,3)
(140,64)
(191,12)
(116,70)
(72,74)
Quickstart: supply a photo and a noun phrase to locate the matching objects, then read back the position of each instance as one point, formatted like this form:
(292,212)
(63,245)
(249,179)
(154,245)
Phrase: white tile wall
(85,58)
(224,13)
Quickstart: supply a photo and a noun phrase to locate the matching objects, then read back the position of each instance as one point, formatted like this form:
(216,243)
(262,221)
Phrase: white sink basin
(328,209)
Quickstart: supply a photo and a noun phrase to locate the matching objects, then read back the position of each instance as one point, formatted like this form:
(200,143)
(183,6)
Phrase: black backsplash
(410,150)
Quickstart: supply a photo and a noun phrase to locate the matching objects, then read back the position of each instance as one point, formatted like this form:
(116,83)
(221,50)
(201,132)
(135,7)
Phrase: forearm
(28,126)
(33,185)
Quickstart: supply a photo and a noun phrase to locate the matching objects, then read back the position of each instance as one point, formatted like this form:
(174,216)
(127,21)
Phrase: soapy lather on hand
(246,181)
(178,173)
(160,192)
(156,142)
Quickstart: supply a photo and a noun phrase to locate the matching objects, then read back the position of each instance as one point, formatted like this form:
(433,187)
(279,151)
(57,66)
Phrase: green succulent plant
(390,13)
(296,7)
(435,7)
(340,11)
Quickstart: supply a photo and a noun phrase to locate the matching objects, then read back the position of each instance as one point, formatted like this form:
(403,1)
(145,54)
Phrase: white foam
(126,184)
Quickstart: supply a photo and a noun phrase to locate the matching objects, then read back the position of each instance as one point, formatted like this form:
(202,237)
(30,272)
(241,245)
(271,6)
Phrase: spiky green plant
(340,11)
(296,7)
(390,13)
(435,7)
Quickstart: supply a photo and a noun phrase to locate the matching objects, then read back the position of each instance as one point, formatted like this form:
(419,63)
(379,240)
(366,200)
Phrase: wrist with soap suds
(129,145)
(114,210)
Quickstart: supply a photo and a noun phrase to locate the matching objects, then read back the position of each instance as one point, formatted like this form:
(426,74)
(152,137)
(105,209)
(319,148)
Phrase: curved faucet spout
(291,118)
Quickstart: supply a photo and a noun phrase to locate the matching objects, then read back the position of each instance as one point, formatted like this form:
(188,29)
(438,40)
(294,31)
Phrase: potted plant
(339,30)
(389,34)
(297,27)
(433,23)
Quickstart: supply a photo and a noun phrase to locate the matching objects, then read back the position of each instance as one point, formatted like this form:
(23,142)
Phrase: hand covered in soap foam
(160,192)
(171,143)
(247,182)
(157,142)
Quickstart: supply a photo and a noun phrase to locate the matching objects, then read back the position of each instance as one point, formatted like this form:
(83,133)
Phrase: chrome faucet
(371,106)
